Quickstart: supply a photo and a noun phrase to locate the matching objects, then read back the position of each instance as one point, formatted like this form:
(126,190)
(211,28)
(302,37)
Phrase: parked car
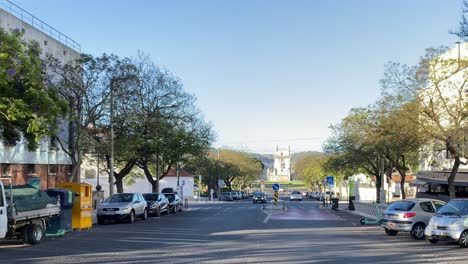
(122,206)
(244,195)
(410,215)
(259,197)
(450,223)
(175,202)
(226,196)
(168,190)
(325,195)
(295,195)
(157,203)
(235,195)
(315,195)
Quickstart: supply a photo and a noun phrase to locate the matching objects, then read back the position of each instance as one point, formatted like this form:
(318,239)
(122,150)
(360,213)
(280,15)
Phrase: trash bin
(335,202)
(351,203)
(63,222)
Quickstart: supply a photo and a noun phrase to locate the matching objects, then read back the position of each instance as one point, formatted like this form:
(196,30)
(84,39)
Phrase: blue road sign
(331,181)
(275,187)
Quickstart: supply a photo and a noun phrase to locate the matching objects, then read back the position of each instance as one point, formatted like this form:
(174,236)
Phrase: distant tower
(282,166)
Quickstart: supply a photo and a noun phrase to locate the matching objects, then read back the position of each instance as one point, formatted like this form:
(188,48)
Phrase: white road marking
(204,219)
(216,214)
(267,218)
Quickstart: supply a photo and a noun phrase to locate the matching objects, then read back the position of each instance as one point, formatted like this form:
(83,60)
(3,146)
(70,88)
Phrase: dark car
(157,203)
(168,190)
(259,197)
(175,202)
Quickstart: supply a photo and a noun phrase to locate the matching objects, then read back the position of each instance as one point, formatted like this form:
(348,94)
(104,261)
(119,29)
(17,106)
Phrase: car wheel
(35,234)
(131,217)
(463,241)
(391,232)
(100,221)
(145,215)
(432,241)
(417,232)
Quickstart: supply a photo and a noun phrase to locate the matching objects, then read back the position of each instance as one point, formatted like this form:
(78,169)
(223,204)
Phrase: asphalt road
(236,232)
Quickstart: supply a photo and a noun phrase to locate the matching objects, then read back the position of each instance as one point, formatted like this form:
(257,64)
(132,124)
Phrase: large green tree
(30,105)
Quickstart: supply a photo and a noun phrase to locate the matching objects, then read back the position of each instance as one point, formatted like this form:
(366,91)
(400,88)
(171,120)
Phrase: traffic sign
(275,187)
(331,181)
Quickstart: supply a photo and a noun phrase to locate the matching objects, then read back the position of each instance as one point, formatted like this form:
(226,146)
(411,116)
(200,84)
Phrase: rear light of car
(409,215)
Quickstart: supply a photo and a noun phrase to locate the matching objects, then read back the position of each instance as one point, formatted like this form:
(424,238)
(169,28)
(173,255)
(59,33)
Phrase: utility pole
(111,174)
(217,182)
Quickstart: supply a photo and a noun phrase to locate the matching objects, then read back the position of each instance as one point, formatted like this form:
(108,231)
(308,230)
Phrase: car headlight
(456,224)
(125,208)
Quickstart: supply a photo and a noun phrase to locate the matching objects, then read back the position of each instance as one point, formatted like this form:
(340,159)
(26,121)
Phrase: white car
(295,195)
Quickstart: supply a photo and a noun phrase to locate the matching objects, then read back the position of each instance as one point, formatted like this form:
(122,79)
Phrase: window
(2,203)
(64,52)
(45,42)
(427,207)
(438,205)
(31,169)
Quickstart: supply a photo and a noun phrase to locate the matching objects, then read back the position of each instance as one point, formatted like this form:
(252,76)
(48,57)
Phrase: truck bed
(51,210)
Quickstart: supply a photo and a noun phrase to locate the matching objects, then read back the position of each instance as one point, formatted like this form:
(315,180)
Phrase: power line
(268,141)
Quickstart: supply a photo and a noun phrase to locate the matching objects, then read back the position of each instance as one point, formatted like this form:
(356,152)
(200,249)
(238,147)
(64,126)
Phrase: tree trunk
(451,178)
(402,172)
(156,185)
(378,186)
(119,184)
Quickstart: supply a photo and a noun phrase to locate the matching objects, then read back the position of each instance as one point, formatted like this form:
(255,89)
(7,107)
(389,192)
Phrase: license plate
(111,213)
(438,233)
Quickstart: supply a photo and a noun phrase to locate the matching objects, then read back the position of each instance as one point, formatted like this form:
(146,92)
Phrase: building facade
(48,164)
(281,170)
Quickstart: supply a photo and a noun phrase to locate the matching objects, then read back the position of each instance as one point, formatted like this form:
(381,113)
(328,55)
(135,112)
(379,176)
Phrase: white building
(282,165)
(48,164)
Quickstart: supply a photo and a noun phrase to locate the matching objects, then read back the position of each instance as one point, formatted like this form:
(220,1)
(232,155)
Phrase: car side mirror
(135,202)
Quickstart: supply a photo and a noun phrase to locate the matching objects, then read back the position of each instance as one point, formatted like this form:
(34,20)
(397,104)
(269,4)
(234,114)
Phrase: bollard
(324,203)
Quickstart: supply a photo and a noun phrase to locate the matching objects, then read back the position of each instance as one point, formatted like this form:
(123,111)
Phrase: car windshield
(401,206)
(170,196)
(258,194)
(120,198)
(150,196)
(454,207)
(295,192)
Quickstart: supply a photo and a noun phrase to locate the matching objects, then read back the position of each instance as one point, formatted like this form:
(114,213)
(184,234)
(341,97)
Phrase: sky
(265,73)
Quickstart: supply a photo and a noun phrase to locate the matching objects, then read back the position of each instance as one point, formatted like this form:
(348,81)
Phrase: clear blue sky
(264,72)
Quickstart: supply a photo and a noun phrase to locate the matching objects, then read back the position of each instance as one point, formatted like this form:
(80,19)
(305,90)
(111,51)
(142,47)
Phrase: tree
(354,146)
(238,168)
(85,84)
(437,85)
(29,103)
(171,128)
(310,169)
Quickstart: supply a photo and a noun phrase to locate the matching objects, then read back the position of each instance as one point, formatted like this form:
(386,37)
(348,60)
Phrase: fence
(369,210)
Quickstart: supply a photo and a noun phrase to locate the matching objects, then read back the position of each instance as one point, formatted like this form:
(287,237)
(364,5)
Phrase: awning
(440,177)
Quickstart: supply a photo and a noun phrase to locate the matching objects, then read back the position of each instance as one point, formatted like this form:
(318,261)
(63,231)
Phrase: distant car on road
(295,195)
(157,203)
(410,215)
(259,197)
(122,206)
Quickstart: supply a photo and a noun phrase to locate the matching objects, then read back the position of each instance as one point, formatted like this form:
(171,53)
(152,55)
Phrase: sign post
(275,188)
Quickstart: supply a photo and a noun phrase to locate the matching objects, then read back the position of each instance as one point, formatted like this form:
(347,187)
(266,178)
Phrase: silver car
(295,195)
(411,215)
(450,223)
(122,206)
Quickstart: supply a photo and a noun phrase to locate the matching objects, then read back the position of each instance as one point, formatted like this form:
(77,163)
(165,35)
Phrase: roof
(408,178)
(182,173)
(440,177)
